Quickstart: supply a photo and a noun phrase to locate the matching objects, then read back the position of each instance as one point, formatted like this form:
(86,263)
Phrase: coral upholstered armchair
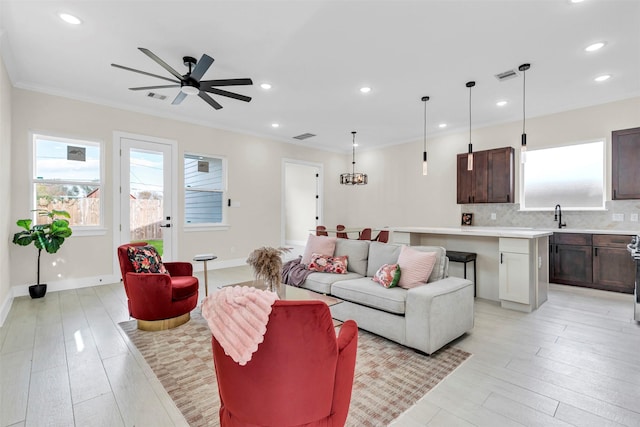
(300,374)
(158,300)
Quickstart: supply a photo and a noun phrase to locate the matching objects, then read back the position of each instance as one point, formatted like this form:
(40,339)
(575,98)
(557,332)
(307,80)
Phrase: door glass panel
(146,197)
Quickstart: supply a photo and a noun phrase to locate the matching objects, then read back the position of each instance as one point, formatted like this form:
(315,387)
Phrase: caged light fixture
(470,155)
(353,178)
(523,143)
(424,153)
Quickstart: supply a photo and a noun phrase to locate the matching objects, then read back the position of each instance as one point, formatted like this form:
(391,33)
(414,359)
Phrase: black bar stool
(465,257)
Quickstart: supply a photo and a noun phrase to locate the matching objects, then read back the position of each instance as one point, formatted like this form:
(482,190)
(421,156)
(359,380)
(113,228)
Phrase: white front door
(146,192)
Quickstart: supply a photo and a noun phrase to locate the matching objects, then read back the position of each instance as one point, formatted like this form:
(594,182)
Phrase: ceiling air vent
(156,96)
(304,136)
(506,75)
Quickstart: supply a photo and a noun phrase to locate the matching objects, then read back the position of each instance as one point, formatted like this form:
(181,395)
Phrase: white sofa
(425,318)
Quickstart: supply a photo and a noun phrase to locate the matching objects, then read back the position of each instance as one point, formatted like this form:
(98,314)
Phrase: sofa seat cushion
(321,282)
(367,292)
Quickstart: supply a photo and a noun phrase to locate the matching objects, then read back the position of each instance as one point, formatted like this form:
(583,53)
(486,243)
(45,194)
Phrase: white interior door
(302,200)
(146,193)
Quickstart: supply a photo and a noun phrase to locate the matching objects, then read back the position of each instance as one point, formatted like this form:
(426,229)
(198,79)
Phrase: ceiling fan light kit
(191,83)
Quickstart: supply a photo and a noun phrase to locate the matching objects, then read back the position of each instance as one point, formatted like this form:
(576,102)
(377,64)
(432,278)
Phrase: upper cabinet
(625,164)
(491,180)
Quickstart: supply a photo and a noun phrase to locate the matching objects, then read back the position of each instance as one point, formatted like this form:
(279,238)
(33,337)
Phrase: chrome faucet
(558,216)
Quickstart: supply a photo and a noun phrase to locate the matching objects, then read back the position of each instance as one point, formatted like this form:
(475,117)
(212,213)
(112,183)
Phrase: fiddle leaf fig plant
(49,236)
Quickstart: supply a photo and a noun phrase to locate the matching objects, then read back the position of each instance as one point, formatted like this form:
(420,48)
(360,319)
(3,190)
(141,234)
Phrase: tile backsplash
(509,215)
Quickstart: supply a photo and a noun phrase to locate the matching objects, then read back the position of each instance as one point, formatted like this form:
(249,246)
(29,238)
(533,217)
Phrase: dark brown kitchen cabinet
(599,261)
(570,259)
(625,164)
(490,181)
(613,267)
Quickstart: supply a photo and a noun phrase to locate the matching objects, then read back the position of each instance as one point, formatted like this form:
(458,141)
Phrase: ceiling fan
(190,83)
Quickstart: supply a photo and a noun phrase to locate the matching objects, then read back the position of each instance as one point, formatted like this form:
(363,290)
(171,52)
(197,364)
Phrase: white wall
(398,194)
(255,168)
(6,223)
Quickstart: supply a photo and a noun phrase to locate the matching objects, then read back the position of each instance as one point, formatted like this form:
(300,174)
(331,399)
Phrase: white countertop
(516,232)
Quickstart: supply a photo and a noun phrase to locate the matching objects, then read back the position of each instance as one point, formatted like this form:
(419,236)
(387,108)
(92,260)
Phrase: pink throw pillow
(318,245)
(416,267)
(388,275)
(328,264)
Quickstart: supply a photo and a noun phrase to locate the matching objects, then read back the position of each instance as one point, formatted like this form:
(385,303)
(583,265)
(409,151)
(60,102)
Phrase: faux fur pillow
(328,264)
(416,267)
(323,245)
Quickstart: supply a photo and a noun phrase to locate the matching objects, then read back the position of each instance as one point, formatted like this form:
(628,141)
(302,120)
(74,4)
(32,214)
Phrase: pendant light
(523,143)
(353,178)
(424,153)
(470,155)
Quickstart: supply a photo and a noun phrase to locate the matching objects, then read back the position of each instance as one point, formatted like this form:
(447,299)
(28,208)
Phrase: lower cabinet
(599,261)
(514,277)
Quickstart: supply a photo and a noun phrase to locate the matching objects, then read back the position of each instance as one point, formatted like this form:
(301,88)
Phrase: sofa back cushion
(357,252)
(380,254)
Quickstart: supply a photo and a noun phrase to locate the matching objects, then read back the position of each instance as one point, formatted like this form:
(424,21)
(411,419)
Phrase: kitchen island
(512,263)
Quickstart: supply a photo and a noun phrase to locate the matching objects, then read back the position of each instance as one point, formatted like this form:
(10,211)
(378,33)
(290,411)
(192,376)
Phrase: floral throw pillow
(328,264)
(388,275)
(145,259)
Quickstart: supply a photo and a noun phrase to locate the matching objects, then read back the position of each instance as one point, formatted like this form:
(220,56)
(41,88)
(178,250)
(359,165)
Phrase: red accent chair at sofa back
(300,374)
(152,297)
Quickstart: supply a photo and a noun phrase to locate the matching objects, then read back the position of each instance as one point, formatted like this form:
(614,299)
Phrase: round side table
(205,258)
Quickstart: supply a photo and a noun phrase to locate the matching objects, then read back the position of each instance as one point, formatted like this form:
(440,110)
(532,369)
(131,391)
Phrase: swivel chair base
(161,325)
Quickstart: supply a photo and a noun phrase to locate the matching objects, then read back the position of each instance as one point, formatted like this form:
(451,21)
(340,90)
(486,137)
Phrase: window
(572,176)
(67,175)
(205,186)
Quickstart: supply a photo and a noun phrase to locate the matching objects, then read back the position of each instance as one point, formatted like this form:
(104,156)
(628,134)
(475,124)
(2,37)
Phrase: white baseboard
(5,308)
(63,285)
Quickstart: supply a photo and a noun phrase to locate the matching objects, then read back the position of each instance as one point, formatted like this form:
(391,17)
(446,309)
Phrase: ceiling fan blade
(226,82)
(153,87)
(209,100)
(145,73)
(161,62)
(226,93)
(201,67)
(181,96)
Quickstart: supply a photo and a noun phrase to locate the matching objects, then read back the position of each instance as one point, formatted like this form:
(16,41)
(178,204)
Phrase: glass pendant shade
(354,178)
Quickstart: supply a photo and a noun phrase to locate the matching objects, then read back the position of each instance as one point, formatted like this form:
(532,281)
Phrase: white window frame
(223,225)
(602,207)
(78,230)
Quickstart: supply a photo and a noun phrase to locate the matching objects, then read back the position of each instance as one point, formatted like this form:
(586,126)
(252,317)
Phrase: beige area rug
(389,378)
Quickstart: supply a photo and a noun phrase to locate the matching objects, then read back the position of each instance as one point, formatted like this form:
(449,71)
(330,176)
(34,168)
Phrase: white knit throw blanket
(237,317)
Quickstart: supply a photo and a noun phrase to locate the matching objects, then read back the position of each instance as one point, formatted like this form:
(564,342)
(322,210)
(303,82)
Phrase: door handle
(501,254)
(166,226)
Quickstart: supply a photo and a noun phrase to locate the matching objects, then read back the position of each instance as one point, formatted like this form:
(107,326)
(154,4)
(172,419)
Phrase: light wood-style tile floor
(64,361)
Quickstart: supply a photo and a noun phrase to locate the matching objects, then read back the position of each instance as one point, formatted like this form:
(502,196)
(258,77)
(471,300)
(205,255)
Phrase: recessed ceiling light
(365,89)
(275,125)
(501,103)
(577,1)
(594,47)
(265,86)
(603,78)
(442,125)
(70,19)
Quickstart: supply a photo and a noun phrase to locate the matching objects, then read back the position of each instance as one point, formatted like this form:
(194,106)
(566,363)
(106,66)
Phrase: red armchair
(300,375)
(159,301)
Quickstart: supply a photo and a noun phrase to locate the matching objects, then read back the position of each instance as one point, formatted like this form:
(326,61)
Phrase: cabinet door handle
(508,197)
(501,254)
(595,251)
(556,248)
(469,199)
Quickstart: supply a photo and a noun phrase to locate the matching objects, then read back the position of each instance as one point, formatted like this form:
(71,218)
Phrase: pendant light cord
(425,124)
(353,160)
(470,114)
(524,94)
